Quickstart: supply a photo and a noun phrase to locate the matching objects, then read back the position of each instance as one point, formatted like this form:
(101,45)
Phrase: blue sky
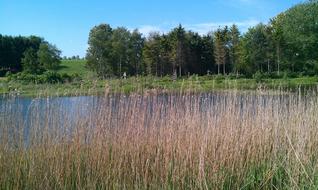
(66,23)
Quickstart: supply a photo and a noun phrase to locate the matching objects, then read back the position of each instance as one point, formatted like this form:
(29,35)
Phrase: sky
(66,23)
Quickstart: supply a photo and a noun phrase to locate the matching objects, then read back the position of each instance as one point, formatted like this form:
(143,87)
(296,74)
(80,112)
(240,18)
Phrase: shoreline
(144,84)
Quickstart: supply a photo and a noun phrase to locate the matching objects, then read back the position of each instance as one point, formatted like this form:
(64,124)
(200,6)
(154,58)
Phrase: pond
(21,114)
(73,108)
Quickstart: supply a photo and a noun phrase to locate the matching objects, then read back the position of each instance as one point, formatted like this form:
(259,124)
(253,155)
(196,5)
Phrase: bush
(311,67)
(24,77)
(47,77)
(75,77)
(207,77)
(219,77)
(166,78)
(274,75)
(3,73)
(258,76)
(52,77)
(8,74)
(292,75)
(236,76)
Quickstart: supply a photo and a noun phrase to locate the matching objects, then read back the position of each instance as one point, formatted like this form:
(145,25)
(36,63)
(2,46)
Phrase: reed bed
(224,140)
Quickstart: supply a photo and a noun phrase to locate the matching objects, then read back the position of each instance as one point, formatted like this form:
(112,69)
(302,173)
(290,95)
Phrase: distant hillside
(74,67)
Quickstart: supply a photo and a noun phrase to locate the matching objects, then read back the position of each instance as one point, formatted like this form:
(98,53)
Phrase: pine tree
(219,49)
(179,49)
(234,46)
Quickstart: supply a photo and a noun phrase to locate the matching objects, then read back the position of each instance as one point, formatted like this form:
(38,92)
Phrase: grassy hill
(74,67)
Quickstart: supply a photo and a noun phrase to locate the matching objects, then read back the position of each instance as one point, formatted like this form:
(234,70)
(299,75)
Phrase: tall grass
(164,141)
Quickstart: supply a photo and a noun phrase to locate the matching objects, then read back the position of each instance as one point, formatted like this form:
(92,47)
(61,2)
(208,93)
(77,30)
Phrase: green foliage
(234,47)
(31,55)
(115,51)
(155,55)
(287,45)
(30,61)
(258,76)
(311,67)
(221,49)
(219,78)
(47,77)
(99,50)
(12,50)
(49,56)
(112,52)
(2,73)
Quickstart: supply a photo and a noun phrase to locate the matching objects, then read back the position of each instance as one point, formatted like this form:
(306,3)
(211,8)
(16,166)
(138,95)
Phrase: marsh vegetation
(220,140)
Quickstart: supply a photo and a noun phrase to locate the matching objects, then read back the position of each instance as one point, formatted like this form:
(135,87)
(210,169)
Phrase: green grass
(91,85)
(74,67)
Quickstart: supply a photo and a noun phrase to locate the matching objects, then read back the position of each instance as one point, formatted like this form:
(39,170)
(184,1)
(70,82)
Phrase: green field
(74,67)
(91,85)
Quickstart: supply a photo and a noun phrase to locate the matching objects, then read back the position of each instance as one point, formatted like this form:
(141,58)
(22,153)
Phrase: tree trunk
(120,67)
(278,59)
(156,68)
(218,69)
(136,68)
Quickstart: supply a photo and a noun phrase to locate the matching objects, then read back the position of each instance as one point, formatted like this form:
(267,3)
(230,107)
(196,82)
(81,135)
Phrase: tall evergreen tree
(152,53)
(135,52)
(179,49)
(12,50)
(207,57)
(219,49)
(234,37)
(226,45)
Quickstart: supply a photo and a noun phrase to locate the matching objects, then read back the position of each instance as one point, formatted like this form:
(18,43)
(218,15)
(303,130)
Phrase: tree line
(287,44)
(29,54)
(115,51)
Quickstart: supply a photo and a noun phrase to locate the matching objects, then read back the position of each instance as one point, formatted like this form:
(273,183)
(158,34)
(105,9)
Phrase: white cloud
(204,28)
(201,28)
(146,29)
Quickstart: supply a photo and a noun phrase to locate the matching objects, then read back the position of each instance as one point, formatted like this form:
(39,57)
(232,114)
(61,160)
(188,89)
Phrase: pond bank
(142,84)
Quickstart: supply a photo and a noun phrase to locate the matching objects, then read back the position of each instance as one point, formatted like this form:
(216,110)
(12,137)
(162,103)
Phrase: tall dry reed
(224,140)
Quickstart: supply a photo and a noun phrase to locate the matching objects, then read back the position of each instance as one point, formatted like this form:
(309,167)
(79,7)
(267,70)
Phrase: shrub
(3,73)
(166,78)
(311,67)
(54,77)
(236,76)
(219,77)
(207,77)
(275,75)
(292,75)
(47,77)
(258,76)
(8,74)
(75,77)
